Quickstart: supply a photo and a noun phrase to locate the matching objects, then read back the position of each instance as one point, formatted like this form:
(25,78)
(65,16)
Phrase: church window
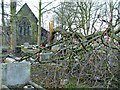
(24,26)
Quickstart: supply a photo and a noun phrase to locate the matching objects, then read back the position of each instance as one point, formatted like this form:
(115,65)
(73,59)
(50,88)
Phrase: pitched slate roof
(25,6)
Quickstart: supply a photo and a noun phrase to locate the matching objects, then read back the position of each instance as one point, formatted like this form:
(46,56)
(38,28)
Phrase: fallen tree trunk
(36,85)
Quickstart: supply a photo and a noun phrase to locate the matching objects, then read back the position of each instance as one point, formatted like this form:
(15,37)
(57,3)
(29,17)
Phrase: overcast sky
(33,4)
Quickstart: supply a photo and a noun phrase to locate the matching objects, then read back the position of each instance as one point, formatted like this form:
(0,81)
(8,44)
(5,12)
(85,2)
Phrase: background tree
(3,21)
(39,26)
(12,24)
(89,52)
(43,10)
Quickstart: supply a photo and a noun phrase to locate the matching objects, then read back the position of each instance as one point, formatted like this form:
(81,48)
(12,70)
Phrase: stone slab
(15,73)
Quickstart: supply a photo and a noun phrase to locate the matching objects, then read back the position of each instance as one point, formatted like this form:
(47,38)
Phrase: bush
(83,85)
(70,86)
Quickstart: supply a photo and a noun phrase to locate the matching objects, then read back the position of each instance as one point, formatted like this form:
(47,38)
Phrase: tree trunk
(39,26)
(12,24)
(36,86)
(3,23)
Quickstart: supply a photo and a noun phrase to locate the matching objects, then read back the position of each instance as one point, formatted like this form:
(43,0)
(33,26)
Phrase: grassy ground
(39,75)
(50,76)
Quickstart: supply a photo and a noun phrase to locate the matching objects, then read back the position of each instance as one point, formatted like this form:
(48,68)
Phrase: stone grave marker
(14,74)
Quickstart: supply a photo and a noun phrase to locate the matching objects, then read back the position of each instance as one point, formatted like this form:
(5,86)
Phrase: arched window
(24,27)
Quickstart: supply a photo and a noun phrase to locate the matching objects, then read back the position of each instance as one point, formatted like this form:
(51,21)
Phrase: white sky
(33,4)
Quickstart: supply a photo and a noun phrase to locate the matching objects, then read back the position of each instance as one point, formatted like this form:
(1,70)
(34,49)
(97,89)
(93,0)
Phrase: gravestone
(26,45)
(45,56)
(14,74)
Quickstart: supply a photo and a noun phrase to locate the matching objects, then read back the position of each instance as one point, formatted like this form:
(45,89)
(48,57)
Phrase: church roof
(26,7)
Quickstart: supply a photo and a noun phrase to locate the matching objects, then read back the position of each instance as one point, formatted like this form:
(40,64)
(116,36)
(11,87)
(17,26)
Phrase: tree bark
(36,86)
(12,24)
(3,22)
(39,26)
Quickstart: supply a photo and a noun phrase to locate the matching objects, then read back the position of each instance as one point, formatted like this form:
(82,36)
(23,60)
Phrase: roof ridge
(29,9)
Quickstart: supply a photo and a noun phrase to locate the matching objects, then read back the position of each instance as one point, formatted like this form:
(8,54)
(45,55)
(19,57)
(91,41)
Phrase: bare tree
(90,52)
(3,21)
(39,26)
(12,24)
(42,10)
(88,49)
